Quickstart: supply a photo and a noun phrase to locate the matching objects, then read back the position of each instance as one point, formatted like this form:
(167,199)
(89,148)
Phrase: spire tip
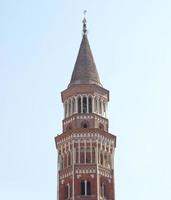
(84,23)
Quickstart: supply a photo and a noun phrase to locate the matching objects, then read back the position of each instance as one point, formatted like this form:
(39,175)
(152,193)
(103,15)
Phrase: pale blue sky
(131,43)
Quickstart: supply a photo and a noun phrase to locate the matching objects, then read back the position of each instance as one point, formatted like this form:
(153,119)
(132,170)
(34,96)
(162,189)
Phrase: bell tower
(85,147)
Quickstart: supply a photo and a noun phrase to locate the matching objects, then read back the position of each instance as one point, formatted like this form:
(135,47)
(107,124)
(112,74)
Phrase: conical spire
(85,71)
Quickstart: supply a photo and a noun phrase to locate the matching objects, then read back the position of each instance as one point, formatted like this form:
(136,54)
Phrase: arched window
(100,107)
(105,194)
(69,159)
(103,190)
(84,104)
(70,112)
(104,108)
(95,104)
(85,187)
(93,155)
(82,155)
(84,124)
(106,160)
(73,105)
(90,104)
(79,104)
(65,160)
(70,191)
(66,192)
(82,187)
(109,160)
(61,161)
(88,188)
(88,156)
(101,158)
(77,155)
(65,109)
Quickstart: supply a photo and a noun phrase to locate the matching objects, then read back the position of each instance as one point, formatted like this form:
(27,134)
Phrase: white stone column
(76,104)
(85,151)
(79,151)
(93,104)
(96,152)
(67,109)
(102,104)
(98,106)
(67,159)
(87,104)
(106,109)
(68,190)
(73,154)
(85,183)
(64,109)
(91,150)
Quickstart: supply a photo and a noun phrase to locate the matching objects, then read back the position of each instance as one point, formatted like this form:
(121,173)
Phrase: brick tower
(85,148)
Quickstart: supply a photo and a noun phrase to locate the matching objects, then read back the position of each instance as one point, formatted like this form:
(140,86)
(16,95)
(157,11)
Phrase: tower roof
(85,71)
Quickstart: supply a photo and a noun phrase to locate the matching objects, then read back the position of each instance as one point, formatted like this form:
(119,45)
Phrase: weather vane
(85,23)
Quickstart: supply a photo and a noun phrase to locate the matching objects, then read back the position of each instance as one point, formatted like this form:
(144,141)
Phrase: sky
(131,44)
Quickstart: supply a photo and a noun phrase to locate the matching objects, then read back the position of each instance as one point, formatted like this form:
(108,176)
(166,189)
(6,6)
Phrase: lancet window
(95,105)
(101,158)
(69,107)
(88,155)
(65,109)
(84,105)
(93,155)
(100,107)
(73,105)
(77,155)
(69,158)
(79,104)
(82,155)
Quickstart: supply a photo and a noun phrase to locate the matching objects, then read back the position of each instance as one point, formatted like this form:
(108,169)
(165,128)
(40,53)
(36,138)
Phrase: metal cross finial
(85,11)
(85,23)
